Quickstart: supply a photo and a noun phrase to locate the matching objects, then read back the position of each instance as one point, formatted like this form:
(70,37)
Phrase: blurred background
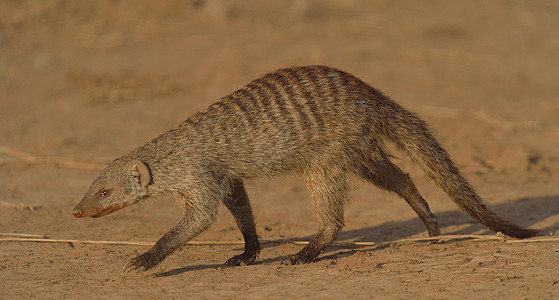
(71,72)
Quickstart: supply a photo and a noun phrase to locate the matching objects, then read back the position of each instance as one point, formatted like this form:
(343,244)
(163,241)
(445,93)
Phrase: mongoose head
(120,184)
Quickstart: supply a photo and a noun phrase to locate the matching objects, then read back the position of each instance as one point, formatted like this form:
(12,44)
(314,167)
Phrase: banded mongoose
(314,120)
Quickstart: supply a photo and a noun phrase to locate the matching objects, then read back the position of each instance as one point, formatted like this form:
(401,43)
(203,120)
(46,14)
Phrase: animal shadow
(524,212)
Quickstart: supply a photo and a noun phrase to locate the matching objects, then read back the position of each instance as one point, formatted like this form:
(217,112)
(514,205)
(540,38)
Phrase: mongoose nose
(77,213)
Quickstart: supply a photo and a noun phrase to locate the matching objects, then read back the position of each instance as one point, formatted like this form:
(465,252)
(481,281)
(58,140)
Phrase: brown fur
(315,120)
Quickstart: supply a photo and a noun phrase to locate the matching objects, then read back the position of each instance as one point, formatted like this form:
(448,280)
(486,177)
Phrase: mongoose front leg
(198,217)
(239,205)
(327,190)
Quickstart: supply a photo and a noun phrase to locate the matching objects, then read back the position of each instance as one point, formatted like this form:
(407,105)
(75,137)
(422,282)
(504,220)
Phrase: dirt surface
(91,80)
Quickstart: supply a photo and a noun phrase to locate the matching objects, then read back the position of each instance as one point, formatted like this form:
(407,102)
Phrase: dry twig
(17,237)
(20,206)
(23,235)
(131,243)
(51,161)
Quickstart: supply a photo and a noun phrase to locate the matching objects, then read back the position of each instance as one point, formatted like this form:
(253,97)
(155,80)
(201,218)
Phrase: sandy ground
(91,80)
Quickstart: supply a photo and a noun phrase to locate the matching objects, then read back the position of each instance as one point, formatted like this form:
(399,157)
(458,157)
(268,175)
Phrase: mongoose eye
(104,193)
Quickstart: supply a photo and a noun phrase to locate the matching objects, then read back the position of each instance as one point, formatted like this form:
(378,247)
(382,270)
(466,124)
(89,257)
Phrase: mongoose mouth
(104,211)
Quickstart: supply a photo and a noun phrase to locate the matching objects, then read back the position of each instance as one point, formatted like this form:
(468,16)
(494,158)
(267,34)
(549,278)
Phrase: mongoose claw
(143,262)
(234,261)
(129,267)
(296,259)
(241,260)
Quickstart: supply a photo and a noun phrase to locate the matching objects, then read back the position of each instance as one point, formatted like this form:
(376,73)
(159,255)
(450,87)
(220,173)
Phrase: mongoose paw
(242,259)
(297,259)
(435,231)
(143,262)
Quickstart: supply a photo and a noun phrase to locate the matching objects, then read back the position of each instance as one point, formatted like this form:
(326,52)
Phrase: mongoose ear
(141,172)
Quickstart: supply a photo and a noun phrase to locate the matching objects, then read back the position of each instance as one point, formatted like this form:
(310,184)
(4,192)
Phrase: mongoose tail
(413,137)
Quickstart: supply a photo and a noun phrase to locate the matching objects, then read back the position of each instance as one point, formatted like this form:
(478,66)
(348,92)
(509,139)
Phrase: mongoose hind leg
(386,175)
(239,205)
(328,190)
